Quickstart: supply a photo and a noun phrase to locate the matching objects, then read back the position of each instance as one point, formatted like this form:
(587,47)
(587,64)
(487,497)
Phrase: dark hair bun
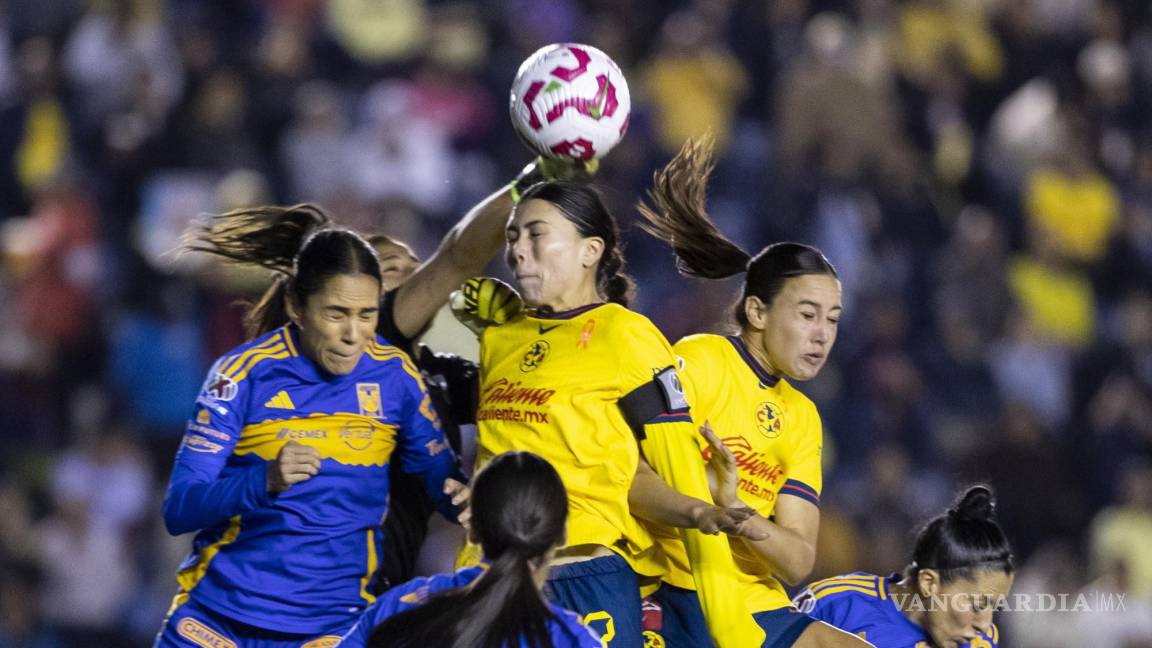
(977,503)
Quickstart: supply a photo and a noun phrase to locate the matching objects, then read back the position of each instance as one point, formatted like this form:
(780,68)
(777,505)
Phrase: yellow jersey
(550,383)
(776,435)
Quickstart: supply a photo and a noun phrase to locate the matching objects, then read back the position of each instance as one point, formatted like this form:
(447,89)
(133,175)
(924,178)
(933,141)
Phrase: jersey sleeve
(402,598)
(197,496)
(424,450)
(568,632)
(669,444)
(804,473)
(386,324)
(820,609)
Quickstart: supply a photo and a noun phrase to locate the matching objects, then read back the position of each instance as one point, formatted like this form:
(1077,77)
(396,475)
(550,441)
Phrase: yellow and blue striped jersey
(300,561)
(862,603)
(552,384)
(773,430)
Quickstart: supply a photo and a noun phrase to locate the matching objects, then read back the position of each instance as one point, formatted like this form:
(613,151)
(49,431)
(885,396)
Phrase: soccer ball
(570,101)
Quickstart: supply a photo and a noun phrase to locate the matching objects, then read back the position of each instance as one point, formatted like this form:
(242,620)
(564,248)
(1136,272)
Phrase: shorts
(782,627)
(605,593)
(191,625)
(681,620)
(683,624)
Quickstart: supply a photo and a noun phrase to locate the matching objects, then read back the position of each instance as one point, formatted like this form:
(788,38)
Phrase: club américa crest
(535,355)
(769,419)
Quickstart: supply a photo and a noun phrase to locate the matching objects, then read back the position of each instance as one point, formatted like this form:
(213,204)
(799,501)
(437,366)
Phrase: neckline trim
(568,314)
(766,379)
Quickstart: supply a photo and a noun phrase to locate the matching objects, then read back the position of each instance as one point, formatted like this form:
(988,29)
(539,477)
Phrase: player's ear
(591,250)
(291,307)
(756,311)
(928,582)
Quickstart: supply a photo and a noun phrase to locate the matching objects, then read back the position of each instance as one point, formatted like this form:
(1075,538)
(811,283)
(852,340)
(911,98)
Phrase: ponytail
(500,609)
(678,216)
(297,242)
(519,512)
(618,287)
(963,540)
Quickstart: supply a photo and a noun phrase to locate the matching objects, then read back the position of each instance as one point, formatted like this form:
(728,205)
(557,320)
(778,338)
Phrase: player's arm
(657,411)
(674,455)
(467,248)
(424,450)
(786,544)
(197,497)
(651,498)
(463,252)
(788,547)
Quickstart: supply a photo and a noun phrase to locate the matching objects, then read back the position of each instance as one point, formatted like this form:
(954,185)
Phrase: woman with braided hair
(961,570)
(592,387)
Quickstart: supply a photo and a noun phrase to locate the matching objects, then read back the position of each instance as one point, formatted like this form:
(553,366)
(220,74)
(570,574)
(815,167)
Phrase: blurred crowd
(979,171)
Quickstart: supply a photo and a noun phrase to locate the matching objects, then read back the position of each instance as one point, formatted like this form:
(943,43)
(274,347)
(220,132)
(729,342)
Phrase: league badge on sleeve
(220,388)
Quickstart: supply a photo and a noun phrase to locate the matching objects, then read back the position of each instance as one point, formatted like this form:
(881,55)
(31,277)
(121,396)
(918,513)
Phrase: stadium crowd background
(980,172)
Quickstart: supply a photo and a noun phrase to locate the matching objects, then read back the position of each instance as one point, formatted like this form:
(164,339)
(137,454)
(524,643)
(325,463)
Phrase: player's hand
(485,301)
(566,169)
(544,169)
(712,519)
(722,467)
(461,496)
(295,463)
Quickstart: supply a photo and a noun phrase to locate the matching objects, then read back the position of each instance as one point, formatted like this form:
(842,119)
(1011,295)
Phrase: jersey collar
(766,379)
(568,314)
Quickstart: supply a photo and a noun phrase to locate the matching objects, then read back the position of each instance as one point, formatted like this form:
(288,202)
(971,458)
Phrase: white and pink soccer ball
(570,101)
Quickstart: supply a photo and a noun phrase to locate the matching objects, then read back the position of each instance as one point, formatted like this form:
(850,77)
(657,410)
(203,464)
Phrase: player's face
(799,327)
(337,321)
(397,263)
(549,257)
(970,603)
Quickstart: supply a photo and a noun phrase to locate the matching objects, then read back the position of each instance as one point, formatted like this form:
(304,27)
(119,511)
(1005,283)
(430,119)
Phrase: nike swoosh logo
(545,329)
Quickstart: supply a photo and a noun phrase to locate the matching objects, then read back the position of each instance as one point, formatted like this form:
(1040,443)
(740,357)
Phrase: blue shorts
(606,595)
(682,623)
(191,625)
(782,627)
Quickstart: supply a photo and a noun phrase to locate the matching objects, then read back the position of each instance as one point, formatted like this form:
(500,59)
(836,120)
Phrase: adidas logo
(280,401)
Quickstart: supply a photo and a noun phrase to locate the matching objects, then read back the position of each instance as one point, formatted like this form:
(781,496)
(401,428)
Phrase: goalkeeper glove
(544,169)
(485,301)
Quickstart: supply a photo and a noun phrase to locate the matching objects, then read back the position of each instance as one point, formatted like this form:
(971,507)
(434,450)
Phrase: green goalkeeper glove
(485,301)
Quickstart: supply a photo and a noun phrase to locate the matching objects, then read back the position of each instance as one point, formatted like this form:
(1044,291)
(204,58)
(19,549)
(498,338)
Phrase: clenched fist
(295,463)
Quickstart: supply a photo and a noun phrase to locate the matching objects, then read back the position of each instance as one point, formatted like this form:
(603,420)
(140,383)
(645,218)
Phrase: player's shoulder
(701,342)
(384,356)
(416,591)
(252,357)
(855,586)
(623,318)
(796,397)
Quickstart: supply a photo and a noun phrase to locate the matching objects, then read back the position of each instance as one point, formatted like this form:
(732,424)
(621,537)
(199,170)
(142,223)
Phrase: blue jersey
(301,561)
(565,629)
(860,603)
